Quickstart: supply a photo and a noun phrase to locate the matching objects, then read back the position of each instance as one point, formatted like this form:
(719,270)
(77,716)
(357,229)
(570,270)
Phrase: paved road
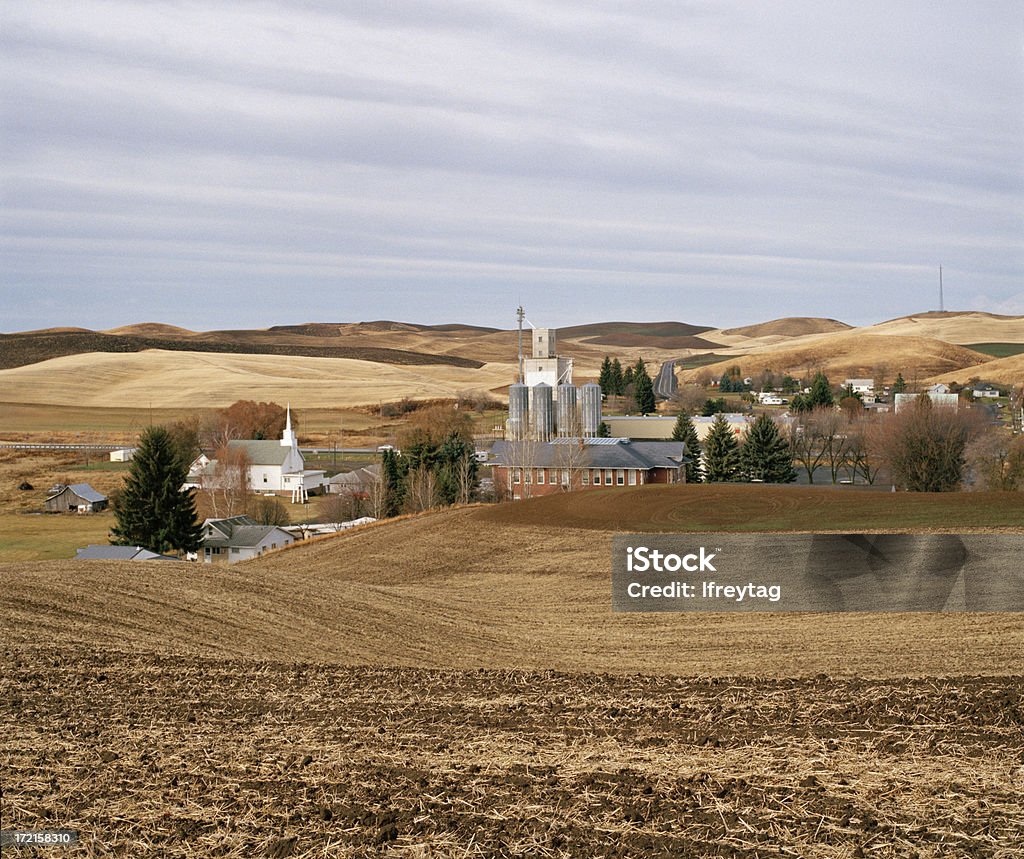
(665,384)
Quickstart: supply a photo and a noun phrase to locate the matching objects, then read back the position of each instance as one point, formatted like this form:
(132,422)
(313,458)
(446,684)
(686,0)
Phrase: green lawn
(47,536)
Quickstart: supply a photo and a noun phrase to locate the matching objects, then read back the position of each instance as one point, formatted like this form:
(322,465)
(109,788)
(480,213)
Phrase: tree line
(633,383)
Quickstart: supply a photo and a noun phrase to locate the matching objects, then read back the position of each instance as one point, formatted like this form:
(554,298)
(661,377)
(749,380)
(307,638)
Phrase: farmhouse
(75,498)
(227,541)
(861,386)
(985,391)
(276,467)
(527,469)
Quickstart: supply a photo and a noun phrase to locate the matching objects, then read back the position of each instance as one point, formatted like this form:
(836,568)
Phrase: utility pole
(520,315)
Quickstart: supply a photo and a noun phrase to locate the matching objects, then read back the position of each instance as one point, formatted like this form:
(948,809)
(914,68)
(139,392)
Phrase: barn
(75,498)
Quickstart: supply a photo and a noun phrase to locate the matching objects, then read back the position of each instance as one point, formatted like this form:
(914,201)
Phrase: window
(540,475)
(565,477)
(518,475)
(264,478)
(620,477)
(607,477)
(586,477)
(632,477)
(234,550)
(273,545)
(529,475)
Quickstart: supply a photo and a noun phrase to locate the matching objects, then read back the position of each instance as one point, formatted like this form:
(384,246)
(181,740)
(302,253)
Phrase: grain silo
(542,416)
(568,423)
(590,409)
(518,411)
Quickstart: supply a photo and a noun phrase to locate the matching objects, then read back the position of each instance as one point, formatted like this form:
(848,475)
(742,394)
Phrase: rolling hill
(961,327)
(186,379)
(472,588)
(792,326)
(1005,371)
(851,354)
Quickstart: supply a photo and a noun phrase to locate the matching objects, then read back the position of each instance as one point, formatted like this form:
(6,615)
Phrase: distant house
(123,454)
(940,388)
(227,541)
(357,483)
(986,390)
(276,467)
(119,553)
(861,386)
(75,498)
(530,469)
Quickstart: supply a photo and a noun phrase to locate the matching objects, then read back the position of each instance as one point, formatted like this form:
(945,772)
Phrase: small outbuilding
(123,454)
(75,498)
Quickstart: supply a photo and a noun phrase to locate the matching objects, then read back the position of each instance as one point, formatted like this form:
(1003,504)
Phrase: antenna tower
(520,315)
(942,304)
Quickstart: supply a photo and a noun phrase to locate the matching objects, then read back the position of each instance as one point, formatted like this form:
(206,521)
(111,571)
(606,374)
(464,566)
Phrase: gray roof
(119,553)
(624,454)
(83,491)
(357,477)
(239,531)
(263,452)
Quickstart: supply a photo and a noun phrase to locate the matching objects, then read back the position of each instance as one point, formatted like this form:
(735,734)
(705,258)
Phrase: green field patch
(997,350)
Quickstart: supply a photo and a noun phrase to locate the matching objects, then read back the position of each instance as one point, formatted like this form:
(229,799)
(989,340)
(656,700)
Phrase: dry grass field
(1006,371)
(203,380)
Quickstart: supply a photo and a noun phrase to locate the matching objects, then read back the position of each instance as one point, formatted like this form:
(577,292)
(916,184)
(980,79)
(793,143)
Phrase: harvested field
(201,379)
(455,590)
(181,757)
(1005,371)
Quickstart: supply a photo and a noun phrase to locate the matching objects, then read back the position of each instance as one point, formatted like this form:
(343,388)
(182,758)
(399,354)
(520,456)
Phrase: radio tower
(520,315)
(942,304)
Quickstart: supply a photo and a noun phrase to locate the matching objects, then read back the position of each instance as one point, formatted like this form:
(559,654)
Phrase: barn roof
(82,490)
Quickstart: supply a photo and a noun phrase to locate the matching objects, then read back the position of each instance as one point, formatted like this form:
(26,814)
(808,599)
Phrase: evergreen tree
(618,383)
(603,430)
(393,475)
(627,379)
(643,389)
(900,385)
(721,453)
(686,432)
(153,511)
(605,379)
(712,407)
(789,385)
(765,454)
(821,391)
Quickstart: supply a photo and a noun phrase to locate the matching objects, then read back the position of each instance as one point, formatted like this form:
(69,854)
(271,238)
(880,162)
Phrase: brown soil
(147,755)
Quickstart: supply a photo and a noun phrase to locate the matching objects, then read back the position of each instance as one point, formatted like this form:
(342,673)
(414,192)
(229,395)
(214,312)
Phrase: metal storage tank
(568,419)
(518,411)
(590,408)
(542,415)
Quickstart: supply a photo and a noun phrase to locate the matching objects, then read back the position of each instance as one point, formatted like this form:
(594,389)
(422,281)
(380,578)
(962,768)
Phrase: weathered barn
(75,498)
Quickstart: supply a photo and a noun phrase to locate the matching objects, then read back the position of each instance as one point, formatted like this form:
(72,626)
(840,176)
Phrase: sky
(241,165)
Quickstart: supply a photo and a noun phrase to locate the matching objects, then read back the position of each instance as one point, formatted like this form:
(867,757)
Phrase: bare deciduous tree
(228,487)
(421,490)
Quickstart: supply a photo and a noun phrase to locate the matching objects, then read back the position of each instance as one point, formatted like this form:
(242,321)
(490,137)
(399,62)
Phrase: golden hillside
(956,327)
(190,379)
(1006,371)
(852,354)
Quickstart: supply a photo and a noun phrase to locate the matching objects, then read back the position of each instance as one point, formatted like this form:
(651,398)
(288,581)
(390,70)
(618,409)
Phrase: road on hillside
(665,383)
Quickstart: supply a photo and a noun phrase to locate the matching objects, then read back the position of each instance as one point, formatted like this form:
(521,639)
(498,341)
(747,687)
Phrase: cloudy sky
(224,164)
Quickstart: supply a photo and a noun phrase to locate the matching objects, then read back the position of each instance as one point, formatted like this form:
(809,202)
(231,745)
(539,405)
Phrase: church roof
(263,452)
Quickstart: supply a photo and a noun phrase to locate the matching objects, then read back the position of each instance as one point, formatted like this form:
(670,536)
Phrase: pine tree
(643,389)
(765,453)
(618,383)
(686,432)
(821,391)
(153,511)
(721,453)
(900,385)
(605,379)
(393,475)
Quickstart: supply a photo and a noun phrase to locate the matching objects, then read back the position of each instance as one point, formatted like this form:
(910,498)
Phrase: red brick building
(527,469)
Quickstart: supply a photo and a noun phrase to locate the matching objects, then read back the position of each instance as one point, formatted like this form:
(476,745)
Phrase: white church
(276,467)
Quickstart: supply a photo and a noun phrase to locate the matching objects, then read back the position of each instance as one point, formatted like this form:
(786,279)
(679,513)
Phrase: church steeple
(288,436)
